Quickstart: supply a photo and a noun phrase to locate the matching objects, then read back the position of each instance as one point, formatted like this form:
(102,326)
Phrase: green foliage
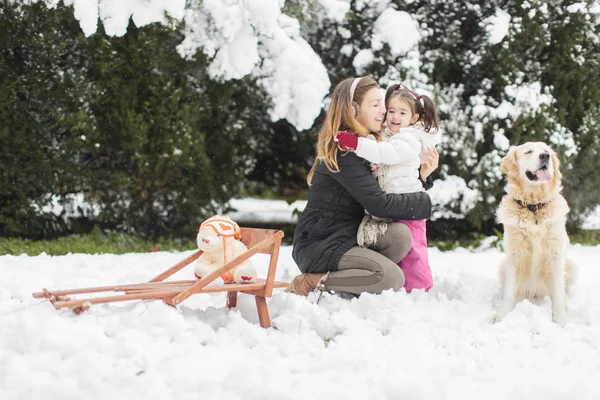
(41,115)
(473,241)
(95,242)
(157,145)
(546,44)
(582,178)
(175,143)
(146,135)
(476,241)
(586,238)
(281,168)
(550,48)
(112,242)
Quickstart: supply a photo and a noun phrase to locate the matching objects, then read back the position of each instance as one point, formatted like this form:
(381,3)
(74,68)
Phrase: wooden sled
(266,241)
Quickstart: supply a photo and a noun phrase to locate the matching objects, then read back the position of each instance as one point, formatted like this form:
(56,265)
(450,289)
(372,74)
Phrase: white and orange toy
(219,239)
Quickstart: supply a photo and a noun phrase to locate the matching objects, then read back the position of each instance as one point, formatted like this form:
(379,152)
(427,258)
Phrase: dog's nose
(545,156)
(206,240)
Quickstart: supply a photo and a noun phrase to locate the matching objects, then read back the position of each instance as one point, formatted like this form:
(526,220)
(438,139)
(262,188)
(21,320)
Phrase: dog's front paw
(560,319)
(500,314)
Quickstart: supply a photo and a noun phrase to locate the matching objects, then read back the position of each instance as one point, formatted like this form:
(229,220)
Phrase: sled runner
(266,241)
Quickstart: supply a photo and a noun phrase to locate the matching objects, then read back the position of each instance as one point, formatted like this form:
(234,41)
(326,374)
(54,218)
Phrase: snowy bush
(502,73)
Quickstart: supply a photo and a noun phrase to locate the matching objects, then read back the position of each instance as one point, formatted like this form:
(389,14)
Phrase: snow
(240,37)
(363,60)
(521,98)
(451,195)
(498,26)
(336,10)
(396,28)
(448,196)
(577,7)
(437,345)
(529,96)
(500,140)
(74,205)
(294,75)
(378,6)
(250,210)
(399,31)
(115,14)
(346,50)
(86,12)
(592,219)
(251,37)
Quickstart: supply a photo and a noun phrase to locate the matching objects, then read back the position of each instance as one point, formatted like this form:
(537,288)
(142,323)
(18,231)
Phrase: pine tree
(40,114)
(169,145)
(537,83)
(144,134)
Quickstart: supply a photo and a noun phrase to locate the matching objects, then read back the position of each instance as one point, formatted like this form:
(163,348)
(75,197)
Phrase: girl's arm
(391,152)
(388,152)
(362,185)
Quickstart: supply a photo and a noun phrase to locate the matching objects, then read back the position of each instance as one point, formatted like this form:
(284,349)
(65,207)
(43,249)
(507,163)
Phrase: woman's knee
(396,242)
(363,270)
(399,232)
(393,278)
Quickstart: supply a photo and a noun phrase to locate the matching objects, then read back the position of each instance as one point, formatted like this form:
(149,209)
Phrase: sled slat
(249,288)
(181,264)
(266,241)
(99,289)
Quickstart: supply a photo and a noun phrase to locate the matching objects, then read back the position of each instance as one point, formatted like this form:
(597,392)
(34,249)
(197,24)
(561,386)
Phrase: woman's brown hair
(341,116)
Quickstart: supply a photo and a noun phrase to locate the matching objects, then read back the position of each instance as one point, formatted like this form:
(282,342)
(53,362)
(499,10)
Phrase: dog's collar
(531,207)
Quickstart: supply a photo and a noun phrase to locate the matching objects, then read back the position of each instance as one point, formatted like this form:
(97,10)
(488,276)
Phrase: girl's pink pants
(417,272)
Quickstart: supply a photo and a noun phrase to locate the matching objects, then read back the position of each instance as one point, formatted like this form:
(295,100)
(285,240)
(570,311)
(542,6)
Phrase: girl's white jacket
(401,153)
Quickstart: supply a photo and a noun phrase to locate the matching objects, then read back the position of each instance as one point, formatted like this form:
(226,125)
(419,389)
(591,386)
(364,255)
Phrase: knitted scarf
(371,228)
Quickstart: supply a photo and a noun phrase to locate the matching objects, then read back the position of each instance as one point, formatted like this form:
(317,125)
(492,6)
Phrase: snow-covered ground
(438,345)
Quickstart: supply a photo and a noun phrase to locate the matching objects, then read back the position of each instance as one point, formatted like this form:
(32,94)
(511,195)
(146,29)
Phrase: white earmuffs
(352,90)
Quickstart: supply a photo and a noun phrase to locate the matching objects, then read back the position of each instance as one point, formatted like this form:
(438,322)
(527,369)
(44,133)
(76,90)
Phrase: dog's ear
(555,166)
(509,161)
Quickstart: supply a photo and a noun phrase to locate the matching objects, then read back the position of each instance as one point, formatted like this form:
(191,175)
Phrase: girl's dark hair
(422,105)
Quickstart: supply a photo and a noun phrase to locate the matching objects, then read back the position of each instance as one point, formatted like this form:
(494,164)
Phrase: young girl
(411,133)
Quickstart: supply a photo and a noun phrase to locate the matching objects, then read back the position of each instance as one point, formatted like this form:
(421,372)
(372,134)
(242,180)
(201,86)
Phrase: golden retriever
(534,213)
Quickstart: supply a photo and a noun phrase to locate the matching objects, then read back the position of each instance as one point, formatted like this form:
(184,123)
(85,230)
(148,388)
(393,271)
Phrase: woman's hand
(430,162)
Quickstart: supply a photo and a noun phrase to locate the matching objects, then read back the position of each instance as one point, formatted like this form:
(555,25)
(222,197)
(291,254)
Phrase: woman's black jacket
(336,206)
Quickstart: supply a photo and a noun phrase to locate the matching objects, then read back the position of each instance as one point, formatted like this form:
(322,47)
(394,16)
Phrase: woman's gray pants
(373,269)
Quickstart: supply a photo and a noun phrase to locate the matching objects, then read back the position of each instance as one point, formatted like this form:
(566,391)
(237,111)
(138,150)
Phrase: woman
(341,187)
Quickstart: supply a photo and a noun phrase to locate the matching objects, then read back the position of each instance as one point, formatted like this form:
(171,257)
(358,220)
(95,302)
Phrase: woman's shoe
(303,284)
